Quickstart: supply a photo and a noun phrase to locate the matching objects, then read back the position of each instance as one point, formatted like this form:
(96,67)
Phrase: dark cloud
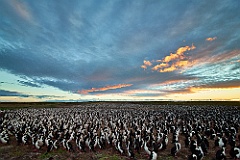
(28,83)
(5,83)
(6,93)
(222,84)
(46,96)
(147,94)
(61,84)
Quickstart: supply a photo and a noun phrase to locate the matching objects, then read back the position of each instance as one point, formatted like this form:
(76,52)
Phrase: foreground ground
(13,151)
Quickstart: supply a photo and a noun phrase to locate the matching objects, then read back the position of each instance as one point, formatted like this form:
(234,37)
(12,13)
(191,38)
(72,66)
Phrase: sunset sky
(57,50)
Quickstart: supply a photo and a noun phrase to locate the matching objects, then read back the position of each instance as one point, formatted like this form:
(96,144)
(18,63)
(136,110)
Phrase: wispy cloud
(6,93)
(22,10)
(110,87)
(46,96)
(28,83)
(221,85)
(211,39)
(221,57)
(12,94)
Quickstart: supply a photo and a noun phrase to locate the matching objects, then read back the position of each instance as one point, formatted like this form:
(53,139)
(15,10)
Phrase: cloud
(173,81)
(22,10)
(6,93)
(104,88)
(219,65)
(5,83)
(29,83)
(146,64)
(193,86)
(159,66)
(46,96)
(179,54)
(211,39)
(225,56)
(174,61)
(12,94)
(178,91)
(221,85)
(146,94)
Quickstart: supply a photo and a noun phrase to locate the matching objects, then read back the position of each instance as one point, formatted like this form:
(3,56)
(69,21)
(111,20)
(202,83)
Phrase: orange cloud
(211,39)
(146,64)
(179,53)
(174,61)
(168,69)
(104,88)
(144,67)
(220,86)
(159,66)
(181,50)
(181,64)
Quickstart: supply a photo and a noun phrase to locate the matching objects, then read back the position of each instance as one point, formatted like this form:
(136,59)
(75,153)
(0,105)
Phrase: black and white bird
(175,149)
(235,152)
(18,136)
(220,142)
(4,138)
(187,141)
(220,154)
(39,142)
(25,138)
(69,146)
(196,150)
(164,142)
(129,146)
(49,146)
(152,154)
(192,157)
(56,144)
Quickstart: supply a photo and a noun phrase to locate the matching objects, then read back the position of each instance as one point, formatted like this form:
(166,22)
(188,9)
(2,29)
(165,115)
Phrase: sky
(57,50)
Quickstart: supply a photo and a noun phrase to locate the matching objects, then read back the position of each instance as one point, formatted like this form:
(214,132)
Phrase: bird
(129,149)
(236,152)
(152,154)
(25,138)
(192,157)
(220,142)
(50,146)
(164,142)
(127,128)
(193,146)
(187,141)
(55,144)
(4,138)
(220,154)
(69,146)
(196,150)
(119,146)
(18,137)
(176,148)
(39,142)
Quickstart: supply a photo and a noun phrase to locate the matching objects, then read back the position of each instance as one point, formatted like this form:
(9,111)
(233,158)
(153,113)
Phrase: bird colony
(130,129)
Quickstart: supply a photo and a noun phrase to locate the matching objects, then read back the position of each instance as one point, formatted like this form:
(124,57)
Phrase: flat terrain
(155,110)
